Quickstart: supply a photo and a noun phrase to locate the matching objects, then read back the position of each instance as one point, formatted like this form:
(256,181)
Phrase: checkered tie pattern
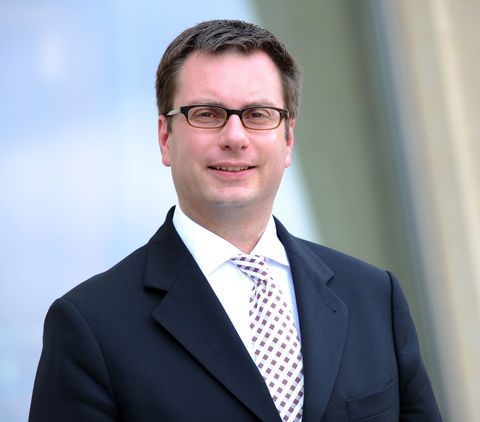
(275,340)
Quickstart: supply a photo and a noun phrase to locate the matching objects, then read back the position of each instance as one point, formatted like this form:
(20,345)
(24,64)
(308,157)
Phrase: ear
(289,147)
(164,140)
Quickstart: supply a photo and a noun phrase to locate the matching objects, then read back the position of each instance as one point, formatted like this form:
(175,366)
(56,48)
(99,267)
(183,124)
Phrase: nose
(233,135)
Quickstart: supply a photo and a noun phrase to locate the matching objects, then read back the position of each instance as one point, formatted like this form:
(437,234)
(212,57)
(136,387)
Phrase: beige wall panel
(433,50)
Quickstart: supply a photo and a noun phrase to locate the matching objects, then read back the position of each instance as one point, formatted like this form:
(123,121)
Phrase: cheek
(282,153)
(182,157)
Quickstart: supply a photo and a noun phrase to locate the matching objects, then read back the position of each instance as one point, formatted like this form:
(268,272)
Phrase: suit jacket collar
(323,323)
(191,312)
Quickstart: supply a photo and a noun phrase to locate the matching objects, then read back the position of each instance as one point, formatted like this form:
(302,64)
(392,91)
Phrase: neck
(243,228)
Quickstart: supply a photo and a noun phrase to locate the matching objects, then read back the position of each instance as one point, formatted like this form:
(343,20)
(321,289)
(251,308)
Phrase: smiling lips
(232,169)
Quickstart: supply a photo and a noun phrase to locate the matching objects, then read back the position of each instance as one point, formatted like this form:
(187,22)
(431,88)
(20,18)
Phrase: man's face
(230,167)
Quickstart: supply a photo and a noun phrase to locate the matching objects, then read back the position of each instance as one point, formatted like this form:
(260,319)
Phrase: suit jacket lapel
(323,323)
(191,312)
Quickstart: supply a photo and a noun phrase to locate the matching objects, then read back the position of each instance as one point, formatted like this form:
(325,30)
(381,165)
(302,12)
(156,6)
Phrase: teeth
(231,168)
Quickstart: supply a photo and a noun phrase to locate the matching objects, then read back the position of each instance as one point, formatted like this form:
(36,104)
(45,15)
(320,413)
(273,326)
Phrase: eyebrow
(261,102)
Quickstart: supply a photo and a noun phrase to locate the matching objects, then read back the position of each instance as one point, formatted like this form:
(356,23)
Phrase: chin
(232,202)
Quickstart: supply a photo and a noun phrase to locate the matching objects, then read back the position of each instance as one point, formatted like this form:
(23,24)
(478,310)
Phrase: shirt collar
(270,246)
(210,250)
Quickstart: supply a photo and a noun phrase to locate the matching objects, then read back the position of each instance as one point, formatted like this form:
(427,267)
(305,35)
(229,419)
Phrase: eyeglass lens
(254,118)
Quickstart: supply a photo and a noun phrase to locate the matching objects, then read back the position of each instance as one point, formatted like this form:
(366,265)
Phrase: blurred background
(386,159)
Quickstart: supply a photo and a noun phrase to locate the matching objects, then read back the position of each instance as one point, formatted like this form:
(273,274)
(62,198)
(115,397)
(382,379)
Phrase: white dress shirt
(232,287)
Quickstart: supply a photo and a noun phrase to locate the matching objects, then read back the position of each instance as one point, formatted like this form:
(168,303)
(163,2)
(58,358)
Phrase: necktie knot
(253,266)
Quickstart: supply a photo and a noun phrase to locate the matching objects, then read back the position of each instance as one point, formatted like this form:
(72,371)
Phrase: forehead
(230,78)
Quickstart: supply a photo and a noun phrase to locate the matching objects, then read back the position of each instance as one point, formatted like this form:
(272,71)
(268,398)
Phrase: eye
(259,114)
(206,113)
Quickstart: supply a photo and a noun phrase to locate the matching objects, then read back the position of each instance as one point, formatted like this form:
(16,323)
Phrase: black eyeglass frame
(284,114)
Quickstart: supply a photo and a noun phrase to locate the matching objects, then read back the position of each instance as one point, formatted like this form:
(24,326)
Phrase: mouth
(230,169)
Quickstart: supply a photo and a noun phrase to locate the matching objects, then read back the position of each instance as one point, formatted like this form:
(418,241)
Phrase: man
(223,315)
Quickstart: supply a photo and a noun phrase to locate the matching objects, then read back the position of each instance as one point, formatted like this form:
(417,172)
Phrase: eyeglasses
(208,116)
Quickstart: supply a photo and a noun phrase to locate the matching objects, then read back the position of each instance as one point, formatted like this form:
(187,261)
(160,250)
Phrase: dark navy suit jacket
(148,340)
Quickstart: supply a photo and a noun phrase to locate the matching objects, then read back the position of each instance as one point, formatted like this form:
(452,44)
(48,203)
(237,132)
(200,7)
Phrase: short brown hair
(218,36)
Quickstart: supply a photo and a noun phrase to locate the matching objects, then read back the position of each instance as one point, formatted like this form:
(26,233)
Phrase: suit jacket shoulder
(148,339)
(358,338)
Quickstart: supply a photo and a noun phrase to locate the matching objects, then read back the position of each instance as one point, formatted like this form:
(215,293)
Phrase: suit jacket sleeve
(72,382)
(417,401)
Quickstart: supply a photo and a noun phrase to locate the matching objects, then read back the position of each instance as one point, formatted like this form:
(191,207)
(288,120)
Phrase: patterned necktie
(275,339)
